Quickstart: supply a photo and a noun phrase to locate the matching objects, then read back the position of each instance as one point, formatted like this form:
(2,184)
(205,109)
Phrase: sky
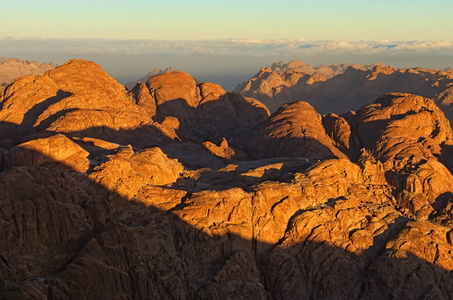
(233,39)
(245,19)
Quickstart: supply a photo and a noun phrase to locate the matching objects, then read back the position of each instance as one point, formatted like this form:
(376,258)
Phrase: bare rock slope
(341,88)
(12,68)
(156,71)
(182,190)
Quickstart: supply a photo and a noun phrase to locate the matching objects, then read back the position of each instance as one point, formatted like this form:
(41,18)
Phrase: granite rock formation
(294,130)
(156,71)
(12,68)
(341,88)
(182,190)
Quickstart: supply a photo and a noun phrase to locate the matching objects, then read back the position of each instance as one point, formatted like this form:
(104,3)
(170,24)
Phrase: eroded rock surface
(341,88)
(78,99)
(178,190)
(400,125)
(294,130)
(12,68)
(55,149)
(197,108)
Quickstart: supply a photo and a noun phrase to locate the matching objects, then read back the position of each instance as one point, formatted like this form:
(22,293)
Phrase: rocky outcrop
(284,83)
(57,150)
(400,125)
(144,99)
(78,99)
(176,90)
(126,172)
(196,107)
(339,130)
(182,190)
(223,150)
(156,71)
(12,68)
(294,130)
(339,89)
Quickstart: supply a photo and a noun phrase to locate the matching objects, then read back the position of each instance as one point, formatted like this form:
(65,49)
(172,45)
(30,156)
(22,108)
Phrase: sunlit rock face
(342,88)
(12,68)
(182,190)
(294,130)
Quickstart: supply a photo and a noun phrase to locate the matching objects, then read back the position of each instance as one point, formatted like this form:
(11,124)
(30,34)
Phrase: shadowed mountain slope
(330,209)
(339,89)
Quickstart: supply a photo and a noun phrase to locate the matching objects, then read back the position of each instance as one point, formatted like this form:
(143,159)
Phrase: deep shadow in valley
(66,236)
(356,88)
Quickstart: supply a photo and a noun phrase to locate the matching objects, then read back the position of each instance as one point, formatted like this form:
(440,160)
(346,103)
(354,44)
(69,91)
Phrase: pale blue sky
(203,19)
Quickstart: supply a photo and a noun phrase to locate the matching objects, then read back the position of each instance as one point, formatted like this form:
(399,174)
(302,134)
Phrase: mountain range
(341,88)
(156,71)
(11,68)
(181,190)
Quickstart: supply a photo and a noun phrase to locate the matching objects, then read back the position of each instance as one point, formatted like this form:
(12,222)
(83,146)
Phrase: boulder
(55,150)
(294,130)
(400,125)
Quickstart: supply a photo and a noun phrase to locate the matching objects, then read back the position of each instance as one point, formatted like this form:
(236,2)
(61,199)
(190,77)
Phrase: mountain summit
(345,87)
(178,189)
(11,68)
(156,71)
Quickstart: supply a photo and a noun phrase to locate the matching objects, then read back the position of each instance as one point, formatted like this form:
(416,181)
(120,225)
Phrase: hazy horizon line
(219,39)
(225,61)
(230,47)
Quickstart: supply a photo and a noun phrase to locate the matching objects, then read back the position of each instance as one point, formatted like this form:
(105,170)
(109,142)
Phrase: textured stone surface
(197,107)
(126,172)
(12,68)
(400,125)
(205,198)
(55,149)
(294,130)
(78,99)
(341,88)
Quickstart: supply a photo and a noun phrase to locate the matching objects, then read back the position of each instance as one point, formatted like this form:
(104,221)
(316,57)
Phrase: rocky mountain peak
(345,87)
(156,71)
(179,189)
(12,68)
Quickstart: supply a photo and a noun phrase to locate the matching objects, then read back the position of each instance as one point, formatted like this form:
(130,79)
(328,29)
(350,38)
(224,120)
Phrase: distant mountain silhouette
(326,71)
(346,87)
(156,71)
(11,68)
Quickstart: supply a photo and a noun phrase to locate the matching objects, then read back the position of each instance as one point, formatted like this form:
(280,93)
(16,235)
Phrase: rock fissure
(100,201)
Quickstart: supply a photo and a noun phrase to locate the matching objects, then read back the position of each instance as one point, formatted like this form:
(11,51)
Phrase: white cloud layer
(229,47)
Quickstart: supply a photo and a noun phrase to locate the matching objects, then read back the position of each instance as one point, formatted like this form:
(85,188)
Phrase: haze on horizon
(227,41)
